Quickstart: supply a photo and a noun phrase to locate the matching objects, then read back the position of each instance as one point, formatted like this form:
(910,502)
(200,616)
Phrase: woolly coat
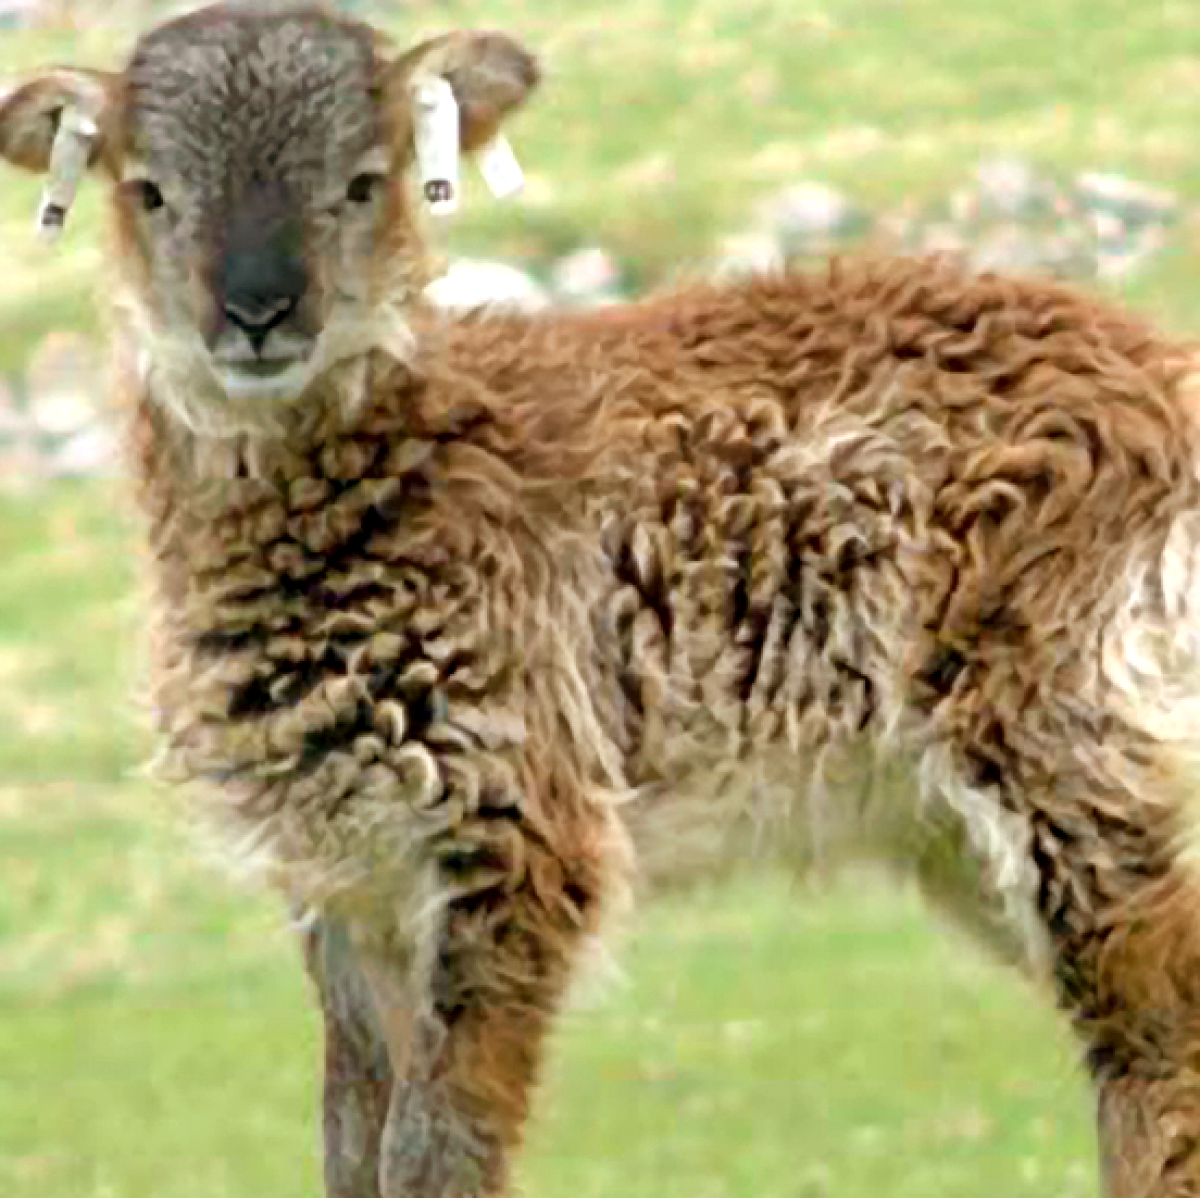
(686,563)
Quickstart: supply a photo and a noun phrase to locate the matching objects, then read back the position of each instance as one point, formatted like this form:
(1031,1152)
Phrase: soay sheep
(465,625)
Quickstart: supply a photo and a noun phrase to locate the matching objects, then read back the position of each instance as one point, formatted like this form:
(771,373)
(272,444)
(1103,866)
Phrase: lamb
(468,626)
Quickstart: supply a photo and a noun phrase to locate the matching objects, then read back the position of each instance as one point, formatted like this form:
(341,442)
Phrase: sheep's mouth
(263,368)
(265,379)
(273,369)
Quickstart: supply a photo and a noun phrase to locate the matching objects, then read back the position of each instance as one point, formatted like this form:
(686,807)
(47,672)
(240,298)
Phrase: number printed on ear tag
(437,143)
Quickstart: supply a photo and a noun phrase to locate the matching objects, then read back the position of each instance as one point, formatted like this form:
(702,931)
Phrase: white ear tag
(69,157)
(437,141)
(499,167)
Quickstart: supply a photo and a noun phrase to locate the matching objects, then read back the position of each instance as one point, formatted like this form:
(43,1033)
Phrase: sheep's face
(259,183)
(252,198)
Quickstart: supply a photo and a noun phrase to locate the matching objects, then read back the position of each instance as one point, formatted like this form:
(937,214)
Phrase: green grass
(156,1039)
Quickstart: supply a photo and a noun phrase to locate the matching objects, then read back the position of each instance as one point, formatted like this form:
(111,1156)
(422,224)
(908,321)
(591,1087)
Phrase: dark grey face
(254,180)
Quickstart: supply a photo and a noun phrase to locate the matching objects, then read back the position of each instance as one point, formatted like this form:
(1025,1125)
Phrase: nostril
(257,319)
(257,314)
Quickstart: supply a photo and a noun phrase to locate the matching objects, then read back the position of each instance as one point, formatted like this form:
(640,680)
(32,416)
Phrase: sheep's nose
(262,279)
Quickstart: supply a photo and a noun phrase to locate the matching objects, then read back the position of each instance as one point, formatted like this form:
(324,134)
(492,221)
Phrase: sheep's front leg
(500,967)
(358,1073)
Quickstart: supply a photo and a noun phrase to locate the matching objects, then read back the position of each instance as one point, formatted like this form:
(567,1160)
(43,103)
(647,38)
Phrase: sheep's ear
(490,74)
(55,124)
(31,114)
(459,89)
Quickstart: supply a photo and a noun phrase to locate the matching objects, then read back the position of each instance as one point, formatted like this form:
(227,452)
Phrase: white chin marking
(289,385)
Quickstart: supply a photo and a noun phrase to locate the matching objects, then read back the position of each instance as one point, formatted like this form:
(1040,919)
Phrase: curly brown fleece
(767,531)
(466,635)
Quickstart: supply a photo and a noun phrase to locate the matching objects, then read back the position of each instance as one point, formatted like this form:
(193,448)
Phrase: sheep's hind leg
(498,973)
(358,1073)
(1105,813)
(1129,971)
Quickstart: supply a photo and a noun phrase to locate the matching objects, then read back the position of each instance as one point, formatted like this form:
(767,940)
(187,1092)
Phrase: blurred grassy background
(156,1039)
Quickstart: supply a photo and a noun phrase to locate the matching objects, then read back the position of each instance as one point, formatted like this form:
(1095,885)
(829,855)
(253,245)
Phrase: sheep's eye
(150,196)
(363,187)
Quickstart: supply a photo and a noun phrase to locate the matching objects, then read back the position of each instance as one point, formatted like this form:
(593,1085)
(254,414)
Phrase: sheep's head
(260,181)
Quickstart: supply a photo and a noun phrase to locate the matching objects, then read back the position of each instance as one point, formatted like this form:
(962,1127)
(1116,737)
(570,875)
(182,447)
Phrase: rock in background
(50,422)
